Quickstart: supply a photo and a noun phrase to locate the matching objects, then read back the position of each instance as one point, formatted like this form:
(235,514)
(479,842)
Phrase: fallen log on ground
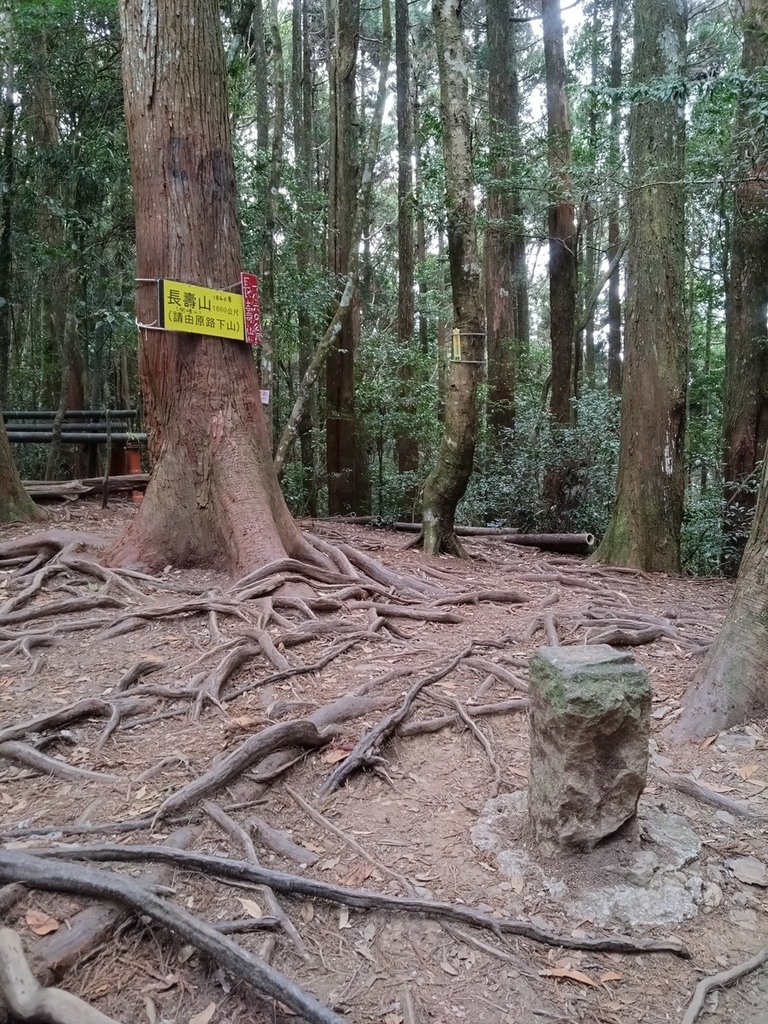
(567,543)
(51,489)
(461,531)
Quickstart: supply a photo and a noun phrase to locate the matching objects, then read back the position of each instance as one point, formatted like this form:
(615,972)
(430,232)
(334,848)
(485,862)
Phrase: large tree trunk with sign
(213,497)
(446,484)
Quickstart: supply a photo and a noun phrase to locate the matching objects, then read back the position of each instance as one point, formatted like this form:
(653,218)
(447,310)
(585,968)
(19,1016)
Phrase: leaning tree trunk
(644,531)
(214,496)
(446,484)
(745,396)
(731,687)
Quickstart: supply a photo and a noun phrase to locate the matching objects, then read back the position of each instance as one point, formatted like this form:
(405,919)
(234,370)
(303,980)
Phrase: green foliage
(511,486)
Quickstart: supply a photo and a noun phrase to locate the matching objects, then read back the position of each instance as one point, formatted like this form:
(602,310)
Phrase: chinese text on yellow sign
(198,310)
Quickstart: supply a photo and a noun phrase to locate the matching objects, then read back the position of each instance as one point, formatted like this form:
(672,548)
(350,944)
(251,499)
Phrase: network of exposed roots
(250,637)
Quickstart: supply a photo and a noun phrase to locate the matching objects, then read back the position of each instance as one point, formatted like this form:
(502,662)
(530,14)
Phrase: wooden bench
(91,427)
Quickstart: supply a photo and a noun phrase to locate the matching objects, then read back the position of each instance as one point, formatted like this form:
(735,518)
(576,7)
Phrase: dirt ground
(410,817)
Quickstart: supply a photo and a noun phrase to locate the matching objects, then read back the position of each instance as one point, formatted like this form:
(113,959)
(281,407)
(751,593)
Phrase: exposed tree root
(429,725)
(54,954)
(231,828)
(366,751)
(88,707)
(720,980)
(228,868)
(255,748)
(28,1000)
(22,753)
(40,873)
(704,794)
(252,635)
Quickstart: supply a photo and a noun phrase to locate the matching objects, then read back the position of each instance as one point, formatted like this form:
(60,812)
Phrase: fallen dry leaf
(449,969)
(307,912)
(358,874)
(205,1015)
(334,756)
(611,976)
(344,918)
(41,923)
(563,972)
(251,908)
(747,771)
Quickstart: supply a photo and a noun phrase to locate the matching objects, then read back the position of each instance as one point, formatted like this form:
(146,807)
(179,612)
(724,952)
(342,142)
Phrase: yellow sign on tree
(198,310)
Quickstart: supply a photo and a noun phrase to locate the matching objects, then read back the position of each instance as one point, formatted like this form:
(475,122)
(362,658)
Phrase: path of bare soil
(400,826)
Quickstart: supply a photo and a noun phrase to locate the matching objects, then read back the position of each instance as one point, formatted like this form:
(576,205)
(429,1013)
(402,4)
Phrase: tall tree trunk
(562,230)
(447,482)
(745,400)
(71,394)
(326,344)
(15,504)
(421,233)
(342,204)
(54,294)
(731,687)
(269,262)
(592,228)
(406,444)
(213,497)
(258,55)
(644,531)
(301,96)
(614,158)
(8,108)
(501,233)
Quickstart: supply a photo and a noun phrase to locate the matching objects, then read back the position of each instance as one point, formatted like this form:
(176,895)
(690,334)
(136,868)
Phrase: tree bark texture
(446,484)
(342,209)
(745,399)
(731,687)
(306,252)
(502,235)
(614,282)
(406,443)
(213,497)
(644,530)
(561,219)
(8,108)
(15,504)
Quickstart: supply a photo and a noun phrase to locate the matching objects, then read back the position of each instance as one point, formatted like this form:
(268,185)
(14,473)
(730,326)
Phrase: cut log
(567,543)
(41,490)
(461,531)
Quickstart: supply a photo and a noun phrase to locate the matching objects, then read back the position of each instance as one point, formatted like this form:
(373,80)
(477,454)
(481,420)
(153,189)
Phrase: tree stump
(590,725)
